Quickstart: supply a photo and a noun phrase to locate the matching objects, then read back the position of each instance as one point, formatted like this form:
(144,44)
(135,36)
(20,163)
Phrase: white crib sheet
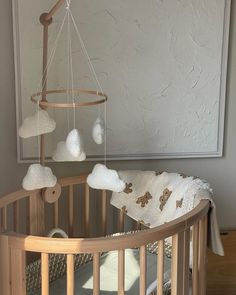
(108,274)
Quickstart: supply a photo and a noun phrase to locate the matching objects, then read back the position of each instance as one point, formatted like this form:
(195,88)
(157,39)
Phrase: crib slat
(4,218)
(87,210)
(70,274)
(143,271)
(138,225)
(4,265)
(71,210)
(96,273)
(134,224)
(195,240)
(17,272)
(45,273)
(160,267)
(55,213)
(121,220)
(202,255)
(186,261)
(104,212)
(16,208)
(177,264)
(121,272)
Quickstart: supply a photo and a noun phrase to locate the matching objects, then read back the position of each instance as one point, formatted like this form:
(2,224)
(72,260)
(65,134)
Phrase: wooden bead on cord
(51,194)
(44,19)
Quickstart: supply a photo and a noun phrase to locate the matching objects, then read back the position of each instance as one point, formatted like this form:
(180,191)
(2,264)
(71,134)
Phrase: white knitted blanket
(154,198)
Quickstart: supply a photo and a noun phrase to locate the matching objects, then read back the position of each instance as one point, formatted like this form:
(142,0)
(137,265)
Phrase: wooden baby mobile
(39,176)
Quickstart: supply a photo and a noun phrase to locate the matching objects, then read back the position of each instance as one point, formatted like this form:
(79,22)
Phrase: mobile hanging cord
(94,75)
(70,59)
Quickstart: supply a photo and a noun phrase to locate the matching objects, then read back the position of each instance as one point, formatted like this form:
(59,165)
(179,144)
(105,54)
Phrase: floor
(221,271)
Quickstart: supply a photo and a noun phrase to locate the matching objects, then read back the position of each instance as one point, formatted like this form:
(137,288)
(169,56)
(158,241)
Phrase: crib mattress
(108,275)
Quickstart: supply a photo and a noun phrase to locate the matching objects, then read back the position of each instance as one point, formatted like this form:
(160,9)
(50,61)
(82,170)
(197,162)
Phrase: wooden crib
(23,229)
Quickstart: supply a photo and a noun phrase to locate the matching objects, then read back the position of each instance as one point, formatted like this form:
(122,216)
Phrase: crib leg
(4,265)
(18,286)
(143,271)
(202,255)
(121,272)
(186,262)
(195,274)
(177,267)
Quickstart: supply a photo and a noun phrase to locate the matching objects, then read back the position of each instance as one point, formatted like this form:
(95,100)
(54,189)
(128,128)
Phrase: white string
(52,55)
(68,69)
(71,70)
(68,4)
(86,53)
(105,137)
(94,75)
(38,137)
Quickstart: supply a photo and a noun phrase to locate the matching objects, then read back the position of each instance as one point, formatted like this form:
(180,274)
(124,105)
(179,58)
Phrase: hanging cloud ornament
(105,179)
(38,177)
(99,130)
(39,123)
(61,154)
(74,143)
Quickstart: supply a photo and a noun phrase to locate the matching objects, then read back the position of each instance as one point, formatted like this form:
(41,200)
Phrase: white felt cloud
(39,123)
(61,154)
(104,178)
(98,130)
(38,177)
(74,143)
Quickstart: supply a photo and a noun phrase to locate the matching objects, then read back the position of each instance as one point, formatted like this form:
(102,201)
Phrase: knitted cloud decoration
(38,177)
(61,154)
(74,143)
(39,123)
(104,178)
(98,130)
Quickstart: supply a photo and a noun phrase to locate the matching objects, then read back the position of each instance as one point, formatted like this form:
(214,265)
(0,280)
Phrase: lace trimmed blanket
(154,198)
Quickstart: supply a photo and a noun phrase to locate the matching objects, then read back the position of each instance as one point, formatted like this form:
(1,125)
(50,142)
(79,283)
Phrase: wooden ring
(47,104)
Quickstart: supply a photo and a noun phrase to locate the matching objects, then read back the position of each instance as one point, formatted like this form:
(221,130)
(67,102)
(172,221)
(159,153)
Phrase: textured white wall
(160,62)
(221,173)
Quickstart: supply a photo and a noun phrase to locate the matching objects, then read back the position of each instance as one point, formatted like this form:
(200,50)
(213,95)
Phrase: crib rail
(14,246)
(19,244)
(34,209)
(112,243)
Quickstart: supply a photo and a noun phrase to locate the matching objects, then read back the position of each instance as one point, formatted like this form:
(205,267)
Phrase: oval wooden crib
(24,222)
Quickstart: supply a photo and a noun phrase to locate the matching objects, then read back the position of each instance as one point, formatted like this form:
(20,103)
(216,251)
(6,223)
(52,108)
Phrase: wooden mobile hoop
(99,97)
